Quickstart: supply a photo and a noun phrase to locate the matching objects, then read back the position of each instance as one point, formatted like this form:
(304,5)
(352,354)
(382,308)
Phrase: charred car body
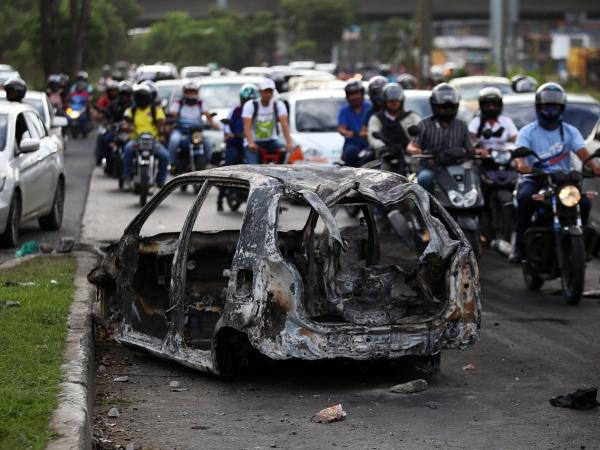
(399,280)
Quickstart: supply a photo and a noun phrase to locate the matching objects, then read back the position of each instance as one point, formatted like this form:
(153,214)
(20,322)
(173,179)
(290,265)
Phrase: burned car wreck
(400,279)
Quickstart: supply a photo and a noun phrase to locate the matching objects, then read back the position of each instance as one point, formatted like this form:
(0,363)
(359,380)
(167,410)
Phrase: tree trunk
(50,19)
(80,17)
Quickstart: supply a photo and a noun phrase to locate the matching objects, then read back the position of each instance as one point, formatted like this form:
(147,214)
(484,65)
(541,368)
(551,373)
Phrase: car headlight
(569,196)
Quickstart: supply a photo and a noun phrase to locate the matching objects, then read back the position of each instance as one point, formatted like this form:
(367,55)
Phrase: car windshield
(220,95)
(318,115)
(419,105)
(471,91)
(582,116)
(164,90)
(3,130)
(38,104)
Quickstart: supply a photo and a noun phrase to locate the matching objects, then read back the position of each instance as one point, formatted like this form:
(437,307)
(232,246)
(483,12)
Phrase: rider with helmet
(117,109)
(81,84)
(234,133)
(15,89)
(111,95)
(440,132)
(393,121)
(351,120)
(54,93)
(144,117)
(375,91)
(188,112)
(553,141)
(152,85)
(490,117)
(407,81)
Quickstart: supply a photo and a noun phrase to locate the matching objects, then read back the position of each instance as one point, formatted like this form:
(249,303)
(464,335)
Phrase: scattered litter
(176,386)
(580,399)
(411,387)
(121,379)
(18,283)
(65,245)
(53,282)
(113,412)
(46,248)
(28,248)
(101,370)
(469,366)
(331,414)
(10,304)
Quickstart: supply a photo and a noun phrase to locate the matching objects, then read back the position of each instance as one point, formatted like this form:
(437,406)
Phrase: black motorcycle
(554,242)
(145,166)
(392,156)
(194,157)
(113,164)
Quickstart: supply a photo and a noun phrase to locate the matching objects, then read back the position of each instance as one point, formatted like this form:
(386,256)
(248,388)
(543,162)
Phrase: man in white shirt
(261,118)
(502,127)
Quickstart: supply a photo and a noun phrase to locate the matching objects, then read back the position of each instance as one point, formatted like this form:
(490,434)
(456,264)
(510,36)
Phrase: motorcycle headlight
(463,201)
(456,198)
(470,198)
(569,196)
(196,137)
(75,114)
(501,157)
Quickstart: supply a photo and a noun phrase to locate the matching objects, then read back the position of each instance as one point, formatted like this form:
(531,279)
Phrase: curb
(72,419)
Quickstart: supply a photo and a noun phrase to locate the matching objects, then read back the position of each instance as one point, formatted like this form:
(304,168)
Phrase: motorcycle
(458,189)
(113,163)
(498,180)
(554,242)
(195,156)
(77,113)
(145,166)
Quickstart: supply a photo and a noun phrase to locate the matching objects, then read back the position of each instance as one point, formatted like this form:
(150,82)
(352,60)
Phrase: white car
(39,101)
(7,72)
(32,173)
(313,116)
(195,71)
(156,72)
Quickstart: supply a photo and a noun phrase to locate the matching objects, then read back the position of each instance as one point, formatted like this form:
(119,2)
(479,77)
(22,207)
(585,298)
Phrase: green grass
(32,341)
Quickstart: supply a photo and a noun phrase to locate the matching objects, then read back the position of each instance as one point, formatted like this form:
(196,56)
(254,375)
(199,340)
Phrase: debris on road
(469,366)
(10,304)
(176,386)
(580,399)
(121,379)
(53,282)
(411,387)
(46,248)
(331,414)
(28,248)
(113,412)
(65,245)
(10,283)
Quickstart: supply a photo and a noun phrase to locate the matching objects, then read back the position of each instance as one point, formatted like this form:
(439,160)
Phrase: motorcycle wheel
(144,184)
(473,238)
(573,274)
(532,281)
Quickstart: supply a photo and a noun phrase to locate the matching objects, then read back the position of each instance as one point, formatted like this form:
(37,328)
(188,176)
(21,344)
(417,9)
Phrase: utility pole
(424,15)
(512,19)
(497,35)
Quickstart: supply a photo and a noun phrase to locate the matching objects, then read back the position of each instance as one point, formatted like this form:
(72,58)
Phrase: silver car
(32,173)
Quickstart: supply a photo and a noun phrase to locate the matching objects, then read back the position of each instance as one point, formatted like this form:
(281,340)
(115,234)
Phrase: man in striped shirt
(440,132)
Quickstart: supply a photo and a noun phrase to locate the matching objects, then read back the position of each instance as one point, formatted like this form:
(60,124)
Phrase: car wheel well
(231,346)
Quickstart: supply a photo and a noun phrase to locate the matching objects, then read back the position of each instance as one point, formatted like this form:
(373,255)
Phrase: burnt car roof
(319,179)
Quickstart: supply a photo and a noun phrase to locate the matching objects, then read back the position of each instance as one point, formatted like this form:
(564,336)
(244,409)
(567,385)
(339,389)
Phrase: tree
(79,17)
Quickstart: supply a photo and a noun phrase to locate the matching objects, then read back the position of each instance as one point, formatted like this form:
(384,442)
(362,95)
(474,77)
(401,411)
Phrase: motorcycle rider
(440,132)
(490,117)
(233,131)
(375,91)
(144,117)
(260,119)
(81,84)
(15,89)
(111,95)
(54,93)
(523,83)
(553,140)
(407,81)
(188,111)
(351,120)
(117,109)
(393,121)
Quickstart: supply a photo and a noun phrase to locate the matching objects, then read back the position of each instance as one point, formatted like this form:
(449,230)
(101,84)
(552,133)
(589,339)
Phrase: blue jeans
(270,145)
(350,154)
(174,141)
(426,178)
(184,145)
(526,206)
(161,154)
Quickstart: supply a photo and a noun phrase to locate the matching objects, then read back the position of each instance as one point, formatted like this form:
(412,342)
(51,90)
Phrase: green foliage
(33,339)
(397,41)
(320,21)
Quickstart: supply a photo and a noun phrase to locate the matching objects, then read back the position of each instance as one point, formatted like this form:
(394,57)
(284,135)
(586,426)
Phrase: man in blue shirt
(351,120)
(554,142)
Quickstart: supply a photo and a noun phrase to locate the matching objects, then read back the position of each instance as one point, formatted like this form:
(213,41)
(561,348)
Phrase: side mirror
(414,130)
(522,152)
(29,145)
(59,121)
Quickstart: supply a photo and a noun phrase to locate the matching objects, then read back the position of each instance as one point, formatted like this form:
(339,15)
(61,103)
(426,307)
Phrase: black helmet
(407,81)
(522,83)
(392,91)
(152,85)
(15,89)
(490,102)
(376,85)
(354,86)
(550,102)
(142,95)
(444,102)
(111,85)
(125,88)
(190,93)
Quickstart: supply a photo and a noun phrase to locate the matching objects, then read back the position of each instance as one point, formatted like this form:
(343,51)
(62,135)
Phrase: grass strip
(32,342)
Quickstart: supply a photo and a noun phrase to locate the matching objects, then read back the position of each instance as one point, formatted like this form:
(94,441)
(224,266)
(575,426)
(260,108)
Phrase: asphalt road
(533,346)
(79,162)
